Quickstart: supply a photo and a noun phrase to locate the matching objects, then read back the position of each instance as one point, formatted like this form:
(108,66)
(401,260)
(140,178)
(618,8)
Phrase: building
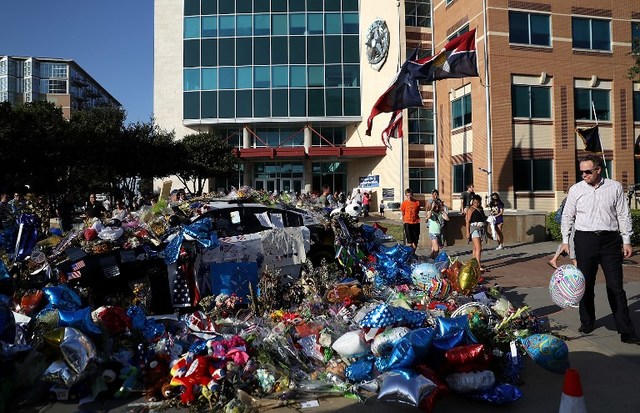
(291,84)
(61,81)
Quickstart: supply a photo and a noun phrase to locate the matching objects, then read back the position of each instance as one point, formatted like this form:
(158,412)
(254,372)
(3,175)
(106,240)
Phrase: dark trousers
(603,249)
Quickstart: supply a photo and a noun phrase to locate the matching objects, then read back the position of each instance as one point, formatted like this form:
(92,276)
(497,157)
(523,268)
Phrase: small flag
(591,139)
(74,274)
(77,265)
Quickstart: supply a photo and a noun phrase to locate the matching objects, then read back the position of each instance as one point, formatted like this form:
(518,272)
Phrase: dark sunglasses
(588,171)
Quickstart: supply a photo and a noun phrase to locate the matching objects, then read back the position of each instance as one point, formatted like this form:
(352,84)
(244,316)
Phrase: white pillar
(246,137)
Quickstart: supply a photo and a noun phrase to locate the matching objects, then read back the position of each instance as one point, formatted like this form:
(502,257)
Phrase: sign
(387,193)
(371,181)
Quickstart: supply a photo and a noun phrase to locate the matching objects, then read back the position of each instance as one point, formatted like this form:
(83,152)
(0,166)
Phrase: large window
(462,176)
(601,102)
(635,30)
(422,180)
(529,28)
(421,126)
(530,101)
(533,174)
(592,34)
(636,106)
(417,13)
(461,111)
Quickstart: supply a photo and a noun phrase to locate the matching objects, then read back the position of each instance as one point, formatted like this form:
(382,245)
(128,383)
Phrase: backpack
(558,217)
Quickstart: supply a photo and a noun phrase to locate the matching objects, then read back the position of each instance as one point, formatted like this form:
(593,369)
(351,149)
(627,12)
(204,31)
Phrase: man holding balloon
(597,207)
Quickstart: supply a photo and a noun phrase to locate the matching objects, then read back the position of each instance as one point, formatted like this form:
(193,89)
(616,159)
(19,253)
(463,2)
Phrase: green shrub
(553,229)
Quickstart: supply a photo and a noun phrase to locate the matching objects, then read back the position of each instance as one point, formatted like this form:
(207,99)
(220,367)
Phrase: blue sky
(111,40)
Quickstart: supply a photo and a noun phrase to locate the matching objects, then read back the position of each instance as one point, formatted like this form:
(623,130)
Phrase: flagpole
(487,100)
(401,140)
(604,160)
(435,105)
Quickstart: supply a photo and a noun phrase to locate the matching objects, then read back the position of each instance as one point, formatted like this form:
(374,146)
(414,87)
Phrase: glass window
(244,51)
(209,26)
(421,126)
(260,6)
(315,5)
(314,23)
(334,101)
(333,75)
(280,102)
(316,102)
(351,77)
(191,105)
(209,79)
(227,6)
(296,5)
(422,180)
(191,27)
(243,6)
(351,47)
(227,26)
(418,13)
(261,76)
(191,7)
(316,76)
(261,51)
(244,25)
(462,176)
(592,34)
(529,28)
(352,102)
(530,101)
(279,24)
(262,23)
(227,53)
(227,105)
(244,103)
(296,23)
(227,78)
(333,23)
(461,111)
(278,5)
(350,24)
(279,50)
(280,76)
(297,50)
(209,105)
(191,79)
(209,52)
(315,50)
(636,106)
(191,56)
(533,174)
(209,7)
(601,102)
(332,5)
(458,32)
(244,79)
(333,52)
(298,102)
(635,30)
(298,76)
(262,103)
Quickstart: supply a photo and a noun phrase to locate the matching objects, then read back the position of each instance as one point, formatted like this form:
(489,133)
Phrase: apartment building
(61,81)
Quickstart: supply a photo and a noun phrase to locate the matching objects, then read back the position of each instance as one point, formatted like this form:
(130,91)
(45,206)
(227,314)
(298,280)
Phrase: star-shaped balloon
(62,297)
(405,386)
(80,319)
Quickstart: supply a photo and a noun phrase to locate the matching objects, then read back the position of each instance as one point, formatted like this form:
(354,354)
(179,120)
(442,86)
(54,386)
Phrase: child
(382,207)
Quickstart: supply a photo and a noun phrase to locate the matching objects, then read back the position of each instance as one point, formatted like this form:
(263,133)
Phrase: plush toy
(129,376)
(155,375)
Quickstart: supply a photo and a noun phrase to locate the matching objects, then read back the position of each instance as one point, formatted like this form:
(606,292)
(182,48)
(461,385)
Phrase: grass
(396,231)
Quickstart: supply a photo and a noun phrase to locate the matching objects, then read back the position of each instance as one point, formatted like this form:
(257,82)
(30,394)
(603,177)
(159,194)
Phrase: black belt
(599,233)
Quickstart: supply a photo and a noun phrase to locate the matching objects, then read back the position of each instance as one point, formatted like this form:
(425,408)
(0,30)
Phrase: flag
(77,265)
(456,59)
(393,129)
(591,139)
(73,275)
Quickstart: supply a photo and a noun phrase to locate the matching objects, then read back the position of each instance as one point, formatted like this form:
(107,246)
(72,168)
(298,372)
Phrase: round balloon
(567,286)
(351,344)
(423,273)
(384,342)
(548,351)
(438,289)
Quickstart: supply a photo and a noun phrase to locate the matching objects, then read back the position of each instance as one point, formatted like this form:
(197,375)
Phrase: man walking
(410,210)
(598,209)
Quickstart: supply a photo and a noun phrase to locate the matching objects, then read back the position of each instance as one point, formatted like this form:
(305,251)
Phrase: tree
(203,156)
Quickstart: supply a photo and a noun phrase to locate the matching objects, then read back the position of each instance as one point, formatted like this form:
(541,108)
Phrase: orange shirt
(410,211)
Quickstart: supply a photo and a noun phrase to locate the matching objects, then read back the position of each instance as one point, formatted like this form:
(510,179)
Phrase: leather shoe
(586,328)
(630,339)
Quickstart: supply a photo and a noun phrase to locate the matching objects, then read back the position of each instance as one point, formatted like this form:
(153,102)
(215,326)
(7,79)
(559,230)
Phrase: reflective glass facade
(271,58)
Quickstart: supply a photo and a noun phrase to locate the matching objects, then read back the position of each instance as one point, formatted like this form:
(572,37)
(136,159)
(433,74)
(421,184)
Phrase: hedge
(553,229)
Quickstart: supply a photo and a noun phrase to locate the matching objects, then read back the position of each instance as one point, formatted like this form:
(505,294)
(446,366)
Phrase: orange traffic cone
(572,398)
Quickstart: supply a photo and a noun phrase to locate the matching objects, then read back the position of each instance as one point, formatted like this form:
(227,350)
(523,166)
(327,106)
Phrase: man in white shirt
(598,209)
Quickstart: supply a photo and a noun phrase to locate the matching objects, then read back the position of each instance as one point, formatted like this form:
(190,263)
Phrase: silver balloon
(77,349)
(472,381)
(405,387)
(58,372)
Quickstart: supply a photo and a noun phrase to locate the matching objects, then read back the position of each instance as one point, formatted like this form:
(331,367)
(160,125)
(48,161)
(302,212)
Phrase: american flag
(74,274)
(77,265)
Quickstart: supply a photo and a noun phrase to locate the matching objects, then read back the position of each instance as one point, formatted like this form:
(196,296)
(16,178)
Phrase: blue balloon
(4,273)
(403,355)
(449,340)
(548,351)
(499,394)
(137,316)
(62,297)
(448,325)
(80,319)
(361,370)
(409,318)
(421,340)
(7,321)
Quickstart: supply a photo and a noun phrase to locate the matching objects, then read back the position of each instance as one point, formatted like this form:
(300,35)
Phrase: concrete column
(246,137)
(247,175)
(307,138)
(308,173)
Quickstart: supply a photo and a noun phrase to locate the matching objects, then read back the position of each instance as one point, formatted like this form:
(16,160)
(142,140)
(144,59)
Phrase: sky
(111,40)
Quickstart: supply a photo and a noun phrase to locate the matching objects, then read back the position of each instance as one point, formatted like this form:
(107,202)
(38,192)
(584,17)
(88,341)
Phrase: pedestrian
(18,205)
(381,207)
(323,199)
(435,199)
(496,209)
(93,208)
(436,216)
(120,212)
(475,225)
(365,204)
(598,208)
(64,211)
(465,201)
(410,210)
